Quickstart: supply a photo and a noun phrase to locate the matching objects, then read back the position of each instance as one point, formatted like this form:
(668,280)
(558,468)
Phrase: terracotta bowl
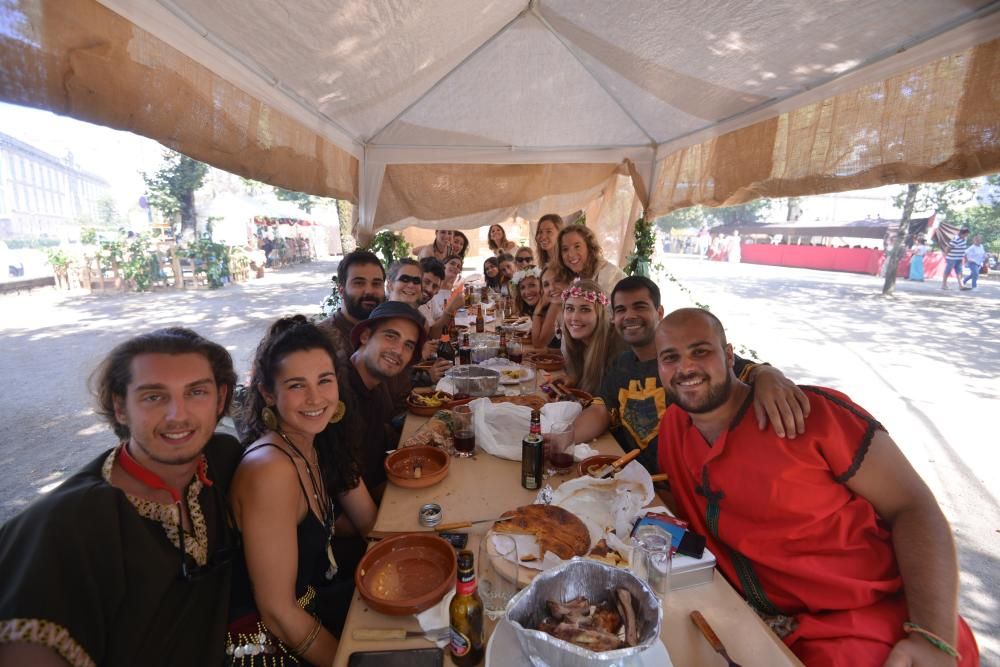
(546,361)
(407,574)
(595,463)
(426,410)
(583,397)
(401,464)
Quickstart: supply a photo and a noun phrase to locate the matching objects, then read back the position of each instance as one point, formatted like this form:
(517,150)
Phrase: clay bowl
(401,464)
(582,397)
(595,463)
(407,574)
(427,410)
(546,361)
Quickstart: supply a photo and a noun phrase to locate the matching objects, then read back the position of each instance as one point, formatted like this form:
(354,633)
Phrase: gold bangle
(306,643)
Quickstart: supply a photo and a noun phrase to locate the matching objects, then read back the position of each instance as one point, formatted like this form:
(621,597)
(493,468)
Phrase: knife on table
(391,634)
(617,465)
(445,527)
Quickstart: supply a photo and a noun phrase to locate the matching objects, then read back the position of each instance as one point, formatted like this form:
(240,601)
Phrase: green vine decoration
(639,261)
(210,257)
(389,246)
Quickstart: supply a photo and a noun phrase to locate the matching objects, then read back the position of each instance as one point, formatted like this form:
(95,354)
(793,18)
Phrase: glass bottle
(445,350)
(465,615)
(480,319)
(502,352)
(465,352)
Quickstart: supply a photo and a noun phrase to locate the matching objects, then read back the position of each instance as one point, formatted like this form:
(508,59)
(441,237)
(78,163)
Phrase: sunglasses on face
(413,280)
(523,260)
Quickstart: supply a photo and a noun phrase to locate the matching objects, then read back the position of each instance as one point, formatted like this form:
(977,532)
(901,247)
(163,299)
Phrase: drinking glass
(515,349)
(465,432)
(652,558)
(560,449)
(529,382)
(498,572)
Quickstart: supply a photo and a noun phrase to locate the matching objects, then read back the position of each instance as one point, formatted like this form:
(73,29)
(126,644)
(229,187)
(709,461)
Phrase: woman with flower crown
(527,290)
(297,479)
(590,342)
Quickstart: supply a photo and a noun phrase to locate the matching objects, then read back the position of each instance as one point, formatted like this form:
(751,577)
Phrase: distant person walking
(955,256)
(975,256)
(917,260)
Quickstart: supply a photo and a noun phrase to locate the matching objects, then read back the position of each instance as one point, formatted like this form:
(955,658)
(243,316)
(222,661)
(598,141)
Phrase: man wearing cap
(955,256)
(387,343)
(361,283)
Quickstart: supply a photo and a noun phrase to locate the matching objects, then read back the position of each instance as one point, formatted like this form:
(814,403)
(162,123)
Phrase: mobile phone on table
(412,657)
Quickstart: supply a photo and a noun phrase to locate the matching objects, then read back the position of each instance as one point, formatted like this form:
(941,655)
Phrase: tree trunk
(892,261)
(188,219)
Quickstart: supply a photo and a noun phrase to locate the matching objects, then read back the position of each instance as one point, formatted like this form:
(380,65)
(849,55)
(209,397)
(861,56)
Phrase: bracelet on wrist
(935,640)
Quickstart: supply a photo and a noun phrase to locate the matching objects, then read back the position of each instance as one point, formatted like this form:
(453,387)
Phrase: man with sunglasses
(128,561)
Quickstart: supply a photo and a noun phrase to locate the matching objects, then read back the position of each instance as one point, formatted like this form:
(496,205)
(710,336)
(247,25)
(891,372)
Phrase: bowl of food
(474,380)
(417,467)
(425,401)
(407,574)
(592,464)
(546,361)
(585,613)
(570,394)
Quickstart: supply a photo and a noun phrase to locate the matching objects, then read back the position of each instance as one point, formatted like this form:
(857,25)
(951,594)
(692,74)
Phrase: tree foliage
(946,199)
(756,211)
(638,262)
(389,246)
(304,201)
(171,189)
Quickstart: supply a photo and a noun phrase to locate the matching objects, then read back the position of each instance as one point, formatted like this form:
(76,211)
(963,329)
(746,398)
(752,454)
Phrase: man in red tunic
(832,537)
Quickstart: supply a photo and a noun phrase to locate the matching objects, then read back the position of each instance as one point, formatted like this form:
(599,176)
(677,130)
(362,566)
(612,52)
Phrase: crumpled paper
(436,617)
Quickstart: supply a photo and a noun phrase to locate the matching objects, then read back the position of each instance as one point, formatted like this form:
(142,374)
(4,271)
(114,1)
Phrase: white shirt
(976,254)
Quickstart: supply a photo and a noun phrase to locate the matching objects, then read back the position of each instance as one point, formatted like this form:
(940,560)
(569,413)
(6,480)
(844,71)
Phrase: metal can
(532,461)
(430,515)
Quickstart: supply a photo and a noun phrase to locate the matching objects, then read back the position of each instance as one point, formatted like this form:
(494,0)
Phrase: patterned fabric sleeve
(60,583)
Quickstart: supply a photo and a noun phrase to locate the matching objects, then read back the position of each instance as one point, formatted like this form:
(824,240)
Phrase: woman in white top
(580,257)
(917,260)
(545,238)
(498,241)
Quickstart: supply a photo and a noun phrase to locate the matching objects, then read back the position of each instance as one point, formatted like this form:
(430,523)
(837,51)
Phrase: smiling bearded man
(832,537)
(387,343)
(127,562)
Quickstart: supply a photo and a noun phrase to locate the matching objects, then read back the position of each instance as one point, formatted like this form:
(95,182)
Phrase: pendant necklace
(326,508)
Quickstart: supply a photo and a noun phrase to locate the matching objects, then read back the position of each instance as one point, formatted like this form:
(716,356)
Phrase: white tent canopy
(460,113)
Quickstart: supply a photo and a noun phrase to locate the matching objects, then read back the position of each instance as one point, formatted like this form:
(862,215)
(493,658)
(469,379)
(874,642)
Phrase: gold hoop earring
(339,413)
(270,419)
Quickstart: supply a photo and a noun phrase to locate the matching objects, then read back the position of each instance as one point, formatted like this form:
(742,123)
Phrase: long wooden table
(483,487)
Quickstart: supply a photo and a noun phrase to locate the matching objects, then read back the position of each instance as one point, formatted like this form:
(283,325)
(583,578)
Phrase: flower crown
(531,272)
(574,291)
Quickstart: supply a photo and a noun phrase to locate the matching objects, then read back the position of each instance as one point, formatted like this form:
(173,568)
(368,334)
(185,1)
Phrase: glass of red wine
(559,449)
(465,432)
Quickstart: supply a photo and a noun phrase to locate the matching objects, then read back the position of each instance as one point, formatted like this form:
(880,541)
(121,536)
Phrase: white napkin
(437,617)
(583,451)
(446,384)
(560,415)
(607,505)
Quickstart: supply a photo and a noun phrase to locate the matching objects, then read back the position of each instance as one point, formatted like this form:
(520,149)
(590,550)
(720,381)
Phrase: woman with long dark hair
(498,241)
(297,474)
(491,272)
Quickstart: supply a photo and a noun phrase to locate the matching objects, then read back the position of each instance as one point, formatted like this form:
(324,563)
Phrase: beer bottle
(466,616)
(536,422)
(465,352)
(502,352)
(480,319)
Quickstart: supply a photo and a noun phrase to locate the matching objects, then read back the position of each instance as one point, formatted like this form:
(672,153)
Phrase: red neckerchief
(151,479)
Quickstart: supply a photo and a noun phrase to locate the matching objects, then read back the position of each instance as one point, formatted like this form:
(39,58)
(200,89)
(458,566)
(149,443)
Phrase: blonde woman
(590,342)
(580,257)
(526,289)
(546,234)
